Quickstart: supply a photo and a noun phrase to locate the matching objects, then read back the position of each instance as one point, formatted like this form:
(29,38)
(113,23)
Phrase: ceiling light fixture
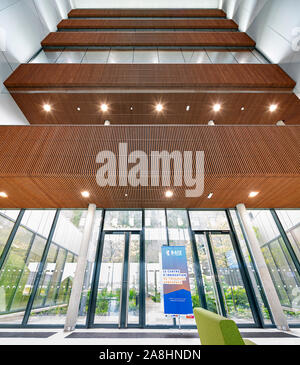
(159,107)
(281,123)
(253,194)
(217,107)
(211,122)
(242,108)
(187,108)
(3,194)
(209,196)
(85,194)
(78,108)
(169,193)
(104,107)
(47,107)
(272,108)
(106,122)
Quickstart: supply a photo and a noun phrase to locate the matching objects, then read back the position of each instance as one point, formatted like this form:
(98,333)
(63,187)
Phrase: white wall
(23,25)
(275,26)
(146,4)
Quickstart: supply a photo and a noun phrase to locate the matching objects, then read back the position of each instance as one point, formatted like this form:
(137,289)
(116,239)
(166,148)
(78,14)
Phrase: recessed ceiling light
(3,194)
(187,108)
(85,194)
(273,107)
(280,123)
(159,107)
(169,193)
(47,107)
(104,107)
(106,122)
(131,108)
(209,196)
(217,107)
(242,108)
(78,108)
(253,194)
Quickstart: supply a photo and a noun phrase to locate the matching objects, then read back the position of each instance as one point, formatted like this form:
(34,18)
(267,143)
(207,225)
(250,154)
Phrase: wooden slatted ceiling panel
(64,108)
(186,13)
(147,23)
(164,76)
(50,166)
(145,38)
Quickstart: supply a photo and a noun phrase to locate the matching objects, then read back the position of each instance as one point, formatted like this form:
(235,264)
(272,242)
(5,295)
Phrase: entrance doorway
(126,289)
(117,302)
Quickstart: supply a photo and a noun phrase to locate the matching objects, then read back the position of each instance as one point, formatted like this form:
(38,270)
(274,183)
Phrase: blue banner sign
(176,285)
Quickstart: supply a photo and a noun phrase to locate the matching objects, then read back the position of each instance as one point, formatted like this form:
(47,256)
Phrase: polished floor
(128,337)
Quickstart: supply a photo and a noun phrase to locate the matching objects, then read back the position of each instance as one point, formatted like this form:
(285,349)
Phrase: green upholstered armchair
(217,330)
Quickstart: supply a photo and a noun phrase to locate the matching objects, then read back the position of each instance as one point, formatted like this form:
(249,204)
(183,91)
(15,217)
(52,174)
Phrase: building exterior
(130,129)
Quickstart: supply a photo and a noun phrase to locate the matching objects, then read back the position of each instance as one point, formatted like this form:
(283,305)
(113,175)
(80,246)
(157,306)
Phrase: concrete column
(74,302)
(267,283)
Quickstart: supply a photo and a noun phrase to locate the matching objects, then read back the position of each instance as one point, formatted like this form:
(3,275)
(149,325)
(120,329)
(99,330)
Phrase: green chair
(217,330)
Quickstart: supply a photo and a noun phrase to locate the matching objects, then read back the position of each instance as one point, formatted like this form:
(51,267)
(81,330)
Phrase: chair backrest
(216,330)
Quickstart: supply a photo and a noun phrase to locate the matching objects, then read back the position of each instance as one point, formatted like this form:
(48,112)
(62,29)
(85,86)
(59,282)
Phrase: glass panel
(123,220)
(27,277)
(234,293)
(110,280)
(155,237)
(221,57)
(284,274)
(89,270)
(6,225)
(70,57)
(20,267)
(290,220)
(179,236)
(145,56)
(11,273)
(246,57)
(207,275)
(39,221)
(134,279)
(120,56)
(51,301)
(208,220)
(96,56)
(252,273)
(46,57)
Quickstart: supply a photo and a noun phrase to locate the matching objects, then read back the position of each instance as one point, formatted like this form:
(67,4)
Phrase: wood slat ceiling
(148,38)
(159,76)
(69,86)
(64,108)
(46,166)
(147,23)
(186,13)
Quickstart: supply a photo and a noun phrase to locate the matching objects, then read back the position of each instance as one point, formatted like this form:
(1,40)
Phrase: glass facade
(153,55)
(122,285)
(282,267)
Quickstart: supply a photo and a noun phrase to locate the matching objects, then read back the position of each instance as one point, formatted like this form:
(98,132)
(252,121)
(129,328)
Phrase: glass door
(116,301)
(223,282)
